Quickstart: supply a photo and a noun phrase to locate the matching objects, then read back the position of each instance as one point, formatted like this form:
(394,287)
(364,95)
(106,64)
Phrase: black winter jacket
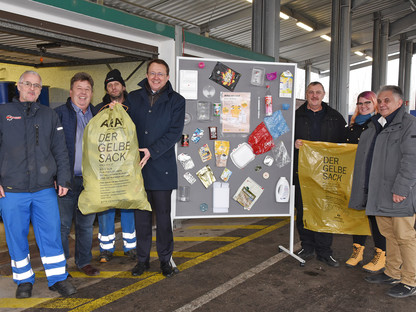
(33,152)
(332,127)
(354,132)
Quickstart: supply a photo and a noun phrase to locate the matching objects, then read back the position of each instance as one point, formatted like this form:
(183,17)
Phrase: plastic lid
(242,155)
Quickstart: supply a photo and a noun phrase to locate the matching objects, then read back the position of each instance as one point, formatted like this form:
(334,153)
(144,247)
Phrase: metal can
(185,140)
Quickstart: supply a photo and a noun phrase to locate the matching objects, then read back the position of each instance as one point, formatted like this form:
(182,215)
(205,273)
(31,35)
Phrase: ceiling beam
(88,62)
(38,53)
(239,15)
(402,24)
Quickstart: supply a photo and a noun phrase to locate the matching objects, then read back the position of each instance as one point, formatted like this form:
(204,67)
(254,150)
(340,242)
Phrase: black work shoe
(131,254)
(329,261)
(140,268)
(65,288)
(24,290)
(401,291)
(305,254)
(105,256)
(381,278)
(167,269)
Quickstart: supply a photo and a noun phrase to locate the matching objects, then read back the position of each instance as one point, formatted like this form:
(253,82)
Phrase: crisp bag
(261,140)
(110,164)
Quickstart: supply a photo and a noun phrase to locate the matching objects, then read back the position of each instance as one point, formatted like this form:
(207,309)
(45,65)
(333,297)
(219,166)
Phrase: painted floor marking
(100,302)
(220,290)
(147,279)
(237,226)
(153,254)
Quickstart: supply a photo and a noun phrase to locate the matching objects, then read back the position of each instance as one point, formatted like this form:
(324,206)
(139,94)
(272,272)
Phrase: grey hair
(394,89)
(30,72)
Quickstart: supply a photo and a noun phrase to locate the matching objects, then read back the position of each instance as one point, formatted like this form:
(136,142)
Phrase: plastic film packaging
(206,176)
(325,175)
(110,164)
(281,156)
(186,161)
(222,148)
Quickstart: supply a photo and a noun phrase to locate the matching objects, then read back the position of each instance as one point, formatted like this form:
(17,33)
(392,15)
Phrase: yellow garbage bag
(110,164)
(325,176)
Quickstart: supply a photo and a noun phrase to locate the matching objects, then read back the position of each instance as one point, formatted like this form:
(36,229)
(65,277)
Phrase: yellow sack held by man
(110,164)
(325,176)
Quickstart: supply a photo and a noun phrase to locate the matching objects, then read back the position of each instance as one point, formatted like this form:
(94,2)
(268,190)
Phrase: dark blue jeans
(68,210)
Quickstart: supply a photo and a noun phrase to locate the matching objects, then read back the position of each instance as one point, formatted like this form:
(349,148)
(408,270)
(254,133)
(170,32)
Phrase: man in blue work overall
(34,161)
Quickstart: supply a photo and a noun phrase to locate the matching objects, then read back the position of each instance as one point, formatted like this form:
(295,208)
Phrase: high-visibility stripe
(107,246)
(54,259)
(21,263)
(22,276)
(129,235)
(129,245)
(106,238)
(55,271)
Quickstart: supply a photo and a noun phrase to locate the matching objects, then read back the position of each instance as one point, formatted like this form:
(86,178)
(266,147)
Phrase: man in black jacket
(34,161)
(315,121)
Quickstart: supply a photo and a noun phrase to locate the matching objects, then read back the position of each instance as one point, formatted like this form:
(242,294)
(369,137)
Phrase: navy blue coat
(32,148)
(68,118)
(158,128)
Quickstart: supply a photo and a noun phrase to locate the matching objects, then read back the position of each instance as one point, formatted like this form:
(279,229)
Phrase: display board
(225,99)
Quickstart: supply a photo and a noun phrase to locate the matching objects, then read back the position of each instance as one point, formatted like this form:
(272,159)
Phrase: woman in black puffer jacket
(366,108)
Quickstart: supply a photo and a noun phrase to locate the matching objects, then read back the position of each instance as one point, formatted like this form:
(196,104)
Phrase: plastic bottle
(268,100)
(282,190)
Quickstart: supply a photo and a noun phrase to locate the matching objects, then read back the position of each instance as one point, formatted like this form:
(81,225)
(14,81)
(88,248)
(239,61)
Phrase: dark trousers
(68,210)
(310,240)
(379,240)
(161,206)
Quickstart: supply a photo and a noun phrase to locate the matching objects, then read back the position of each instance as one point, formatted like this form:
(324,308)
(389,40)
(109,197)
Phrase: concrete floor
(226,265)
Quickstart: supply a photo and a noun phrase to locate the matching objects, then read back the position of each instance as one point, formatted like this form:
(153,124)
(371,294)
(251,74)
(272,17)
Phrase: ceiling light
(326,37)
(283,16)
(369,58)
(359,53)
(250,1)
(304,26)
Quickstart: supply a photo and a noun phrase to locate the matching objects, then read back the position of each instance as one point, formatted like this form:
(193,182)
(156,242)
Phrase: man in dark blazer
(74,116)
(158,113)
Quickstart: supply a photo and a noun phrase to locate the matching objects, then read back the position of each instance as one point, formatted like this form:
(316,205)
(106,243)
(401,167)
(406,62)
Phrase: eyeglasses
(29,85)
(159,75)
(365,103)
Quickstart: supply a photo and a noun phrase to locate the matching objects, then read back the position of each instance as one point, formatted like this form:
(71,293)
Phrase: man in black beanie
(115,91)
(115,87)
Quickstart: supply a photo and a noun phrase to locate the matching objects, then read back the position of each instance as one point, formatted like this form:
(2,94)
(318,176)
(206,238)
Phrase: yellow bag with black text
(110,164)
(325,176)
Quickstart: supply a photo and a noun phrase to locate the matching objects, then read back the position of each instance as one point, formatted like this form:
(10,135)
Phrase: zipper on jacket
(37,134)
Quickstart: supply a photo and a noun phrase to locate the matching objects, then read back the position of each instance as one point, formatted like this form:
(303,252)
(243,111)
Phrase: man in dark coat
(159,114)
(74,116)
(315,121)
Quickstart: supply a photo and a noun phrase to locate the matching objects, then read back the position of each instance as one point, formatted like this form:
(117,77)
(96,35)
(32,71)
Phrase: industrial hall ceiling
(229,21)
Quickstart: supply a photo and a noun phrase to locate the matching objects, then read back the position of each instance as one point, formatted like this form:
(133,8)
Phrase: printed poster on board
(235,117)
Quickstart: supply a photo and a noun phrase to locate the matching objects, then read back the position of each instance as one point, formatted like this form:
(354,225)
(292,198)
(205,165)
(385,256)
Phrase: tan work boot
(356,256)
(377,264)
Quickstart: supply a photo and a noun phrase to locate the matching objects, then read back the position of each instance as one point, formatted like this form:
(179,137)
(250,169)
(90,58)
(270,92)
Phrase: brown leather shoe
(89,270)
